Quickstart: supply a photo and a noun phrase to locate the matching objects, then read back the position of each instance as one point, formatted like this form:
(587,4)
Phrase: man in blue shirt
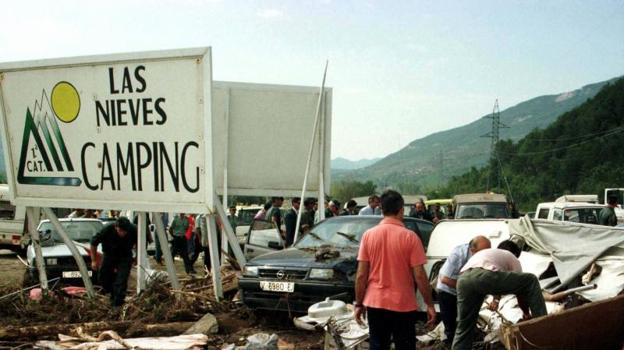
(447,282)
(373,206)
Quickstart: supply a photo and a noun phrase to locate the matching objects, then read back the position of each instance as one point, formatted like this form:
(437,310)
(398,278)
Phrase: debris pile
(61,312)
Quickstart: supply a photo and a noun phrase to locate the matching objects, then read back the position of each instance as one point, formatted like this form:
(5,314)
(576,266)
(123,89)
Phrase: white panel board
(117,131)
(270,129)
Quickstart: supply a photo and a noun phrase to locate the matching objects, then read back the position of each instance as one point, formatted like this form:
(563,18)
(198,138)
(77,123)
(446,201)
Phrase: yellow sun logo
(65,102)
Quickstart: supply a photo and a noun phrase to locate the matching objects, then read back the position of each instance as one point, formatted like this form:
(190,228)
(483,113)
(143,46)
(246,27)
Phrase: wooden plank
(597,325)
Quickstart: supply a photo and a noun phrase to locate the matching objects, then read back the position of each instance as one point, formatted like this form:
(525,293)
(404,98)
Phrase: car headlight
(250,271)
(51,261)
(322,274)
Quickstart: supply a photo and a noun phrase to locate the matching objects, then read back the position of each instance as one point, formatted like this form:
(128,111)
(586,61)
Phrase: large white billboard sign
(262,135)
(117,131)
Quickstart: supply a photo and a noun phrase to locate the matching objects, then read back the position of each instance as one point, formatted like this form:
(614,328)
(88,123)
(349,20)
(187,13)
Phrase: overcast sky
(400,70)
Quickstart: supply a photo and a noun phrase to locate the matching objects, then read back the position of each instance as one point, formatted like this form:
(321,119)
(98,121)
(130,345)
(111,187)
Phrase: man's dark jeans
(114,274)
(385,325)
(448,313)
(179,247)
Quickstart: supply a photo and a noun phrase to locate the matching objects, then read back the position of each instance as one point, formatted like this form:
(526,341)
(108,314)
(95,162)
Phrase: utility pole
(441,160)
(494,135)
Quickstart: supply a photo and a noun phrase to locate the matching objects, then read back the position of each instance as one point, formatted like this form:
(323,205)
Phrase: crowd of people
(391,263)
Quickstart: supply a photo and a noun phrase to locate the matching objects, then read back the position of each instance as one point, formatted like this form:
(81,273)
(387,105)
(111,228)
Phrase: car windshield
(342,232)
(80,231)
(481,210)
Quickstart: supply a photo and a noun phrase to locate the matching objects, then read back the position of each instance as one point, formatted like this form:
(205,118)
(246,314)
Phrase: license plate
(285,287)
(73,274)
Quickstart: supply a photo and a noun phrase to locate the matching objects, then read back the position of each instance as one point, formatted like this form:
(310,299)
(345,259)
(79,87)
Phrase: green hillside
(581,152)
(417,166)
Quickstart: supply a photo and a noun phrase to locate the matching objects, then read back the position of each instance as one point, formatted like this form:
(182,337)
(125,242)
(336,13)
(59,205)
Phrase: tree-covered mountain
(431,161)
(346,164)
(580,153)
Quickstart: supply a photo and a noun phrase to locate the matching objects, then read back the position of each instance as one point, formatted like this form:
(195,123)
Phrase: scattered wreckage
(580,268)
(576,264)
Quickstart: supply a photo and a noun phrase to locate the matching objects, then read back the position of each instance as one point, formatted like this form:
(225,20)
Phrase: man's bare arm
(361,282)
(448,281)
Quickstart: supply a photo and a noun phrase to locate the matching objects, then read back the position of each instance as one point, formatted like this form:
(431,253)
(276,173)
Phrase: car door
(263,238)
(422,228)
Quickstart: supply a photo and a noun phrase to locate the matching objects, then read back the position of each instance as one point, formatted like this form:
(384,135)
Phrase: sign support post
(231,236)
(141,251)
(84,272)
(209,222)
(36,242)
(164,246)
(224,244)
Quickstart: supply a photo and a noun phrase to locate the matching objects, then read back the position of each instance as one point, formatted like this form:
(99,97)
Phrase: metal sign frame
(203,57)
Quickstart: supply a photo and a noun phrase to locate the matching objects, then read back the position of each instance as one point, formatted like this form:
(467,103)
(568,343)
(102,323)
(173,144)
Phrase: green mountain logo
(44,154)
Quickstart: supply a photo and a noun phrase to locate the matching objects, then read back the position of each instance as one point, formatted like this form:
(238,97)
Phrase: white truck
(12,223)
(583,212)
(480,206)
(582,208)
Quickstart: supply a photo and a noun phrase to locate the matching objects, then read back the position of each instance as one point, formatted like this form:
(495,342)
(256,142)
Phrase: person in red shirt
(390,266)
(190,238)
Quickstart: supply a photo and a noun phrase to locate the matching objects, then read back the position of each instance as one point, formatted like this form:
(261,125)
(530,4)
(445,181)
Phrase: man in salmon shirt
(390,266)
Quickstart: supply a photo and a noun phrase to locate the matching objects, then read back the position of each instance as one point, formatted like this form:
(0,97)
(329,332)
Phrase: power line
(611,132)
(573,137)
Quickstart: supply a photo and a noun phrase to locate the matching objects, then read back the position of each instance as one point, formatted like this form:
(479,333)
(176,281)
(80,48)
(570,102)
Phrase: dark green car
(321,264)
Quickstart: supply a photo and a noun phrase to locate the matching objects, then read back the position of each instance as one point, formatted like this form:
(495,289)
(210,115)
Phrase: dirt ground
(235,321)
(234,325)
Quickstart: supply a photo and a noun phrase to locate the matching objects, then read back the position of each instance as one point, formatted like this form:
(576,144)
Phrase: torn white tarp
(573,247)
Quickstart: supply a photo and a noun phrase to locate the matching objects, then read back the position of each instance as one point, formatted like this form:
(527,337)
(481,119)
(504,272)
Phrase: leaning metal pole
(311,149)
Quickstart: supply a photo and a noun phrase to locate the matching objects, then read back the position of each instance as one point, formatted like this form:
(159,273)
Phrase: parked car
(59,262)
(245,217)
(480,206)
(586,213)
(262,238)
(450,233)
(443,203)
(321,264)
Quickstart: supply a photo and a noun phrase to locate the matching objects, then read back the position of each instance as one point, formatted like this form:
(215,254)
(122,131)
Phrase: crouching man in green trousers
(493,272)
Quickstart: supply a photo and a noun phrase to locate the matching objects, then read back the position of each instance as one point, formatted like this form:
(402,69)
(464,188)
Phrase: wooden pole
(84,271)
(33,218)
